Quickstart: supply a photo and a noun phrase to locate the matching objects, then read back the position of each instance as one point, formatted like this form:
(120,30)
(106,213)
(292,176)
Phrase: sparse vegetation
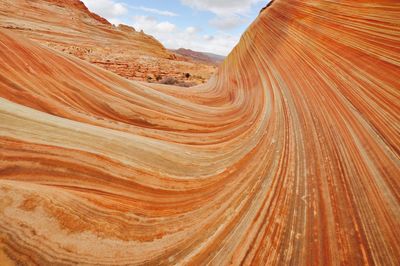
(169,81)
(174,81)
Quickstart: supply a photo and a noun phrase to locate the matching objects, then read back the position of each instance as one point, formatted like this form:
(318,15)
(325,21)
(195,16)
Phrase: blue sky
(202,25)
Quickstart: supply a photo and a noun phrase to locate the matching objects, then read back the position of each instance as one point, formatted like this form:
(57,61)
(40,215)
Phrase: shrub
(168,81)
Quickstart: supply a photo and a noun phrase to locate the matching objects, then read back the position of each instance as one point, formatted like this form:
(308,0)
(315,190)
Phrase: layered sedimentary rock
(68,26)
(289,155)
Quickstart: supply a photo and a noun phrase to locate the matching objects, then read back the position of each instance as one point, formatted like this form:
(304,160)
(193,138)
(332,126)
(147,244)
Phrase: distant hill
(203,57)
(216,57)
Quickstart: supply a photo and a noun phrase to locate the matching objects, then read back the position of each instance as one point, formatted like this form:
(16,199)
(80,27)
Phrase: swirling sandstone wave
(289,155)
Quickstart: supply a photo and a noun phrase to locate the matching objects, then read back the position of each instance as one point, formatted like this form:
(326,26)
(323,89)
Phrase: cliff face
(68,26)
(288,156)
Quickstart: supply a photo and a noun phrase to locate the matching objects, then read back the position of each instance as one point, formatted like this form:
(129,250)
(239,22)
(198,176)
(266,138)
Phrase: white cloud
(151,25)
(229,13)
(227,22)
(106,8)
(221,43)
(191,30)
(222,7)
(166,26)
(208,37)
(173,37)
(155,11)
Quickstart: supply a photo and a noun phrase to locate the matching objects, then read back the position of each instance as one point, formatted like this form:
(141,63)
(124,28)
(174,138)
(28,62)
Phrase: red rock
(289,155)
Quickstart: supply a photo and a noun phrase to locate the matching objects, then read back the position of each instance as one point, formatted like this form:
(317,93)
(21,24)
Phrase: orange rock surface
(289,155)
(68,26)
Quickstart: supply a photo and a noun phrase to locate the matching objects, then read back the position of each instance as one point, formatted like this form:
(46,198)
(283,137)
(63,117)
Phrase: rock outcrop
(68,26)
(289,155)
(76,5)
(126,28)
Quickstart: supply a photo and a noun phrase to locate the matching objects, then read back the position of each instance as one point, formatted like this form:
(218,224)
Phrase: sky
(213,26)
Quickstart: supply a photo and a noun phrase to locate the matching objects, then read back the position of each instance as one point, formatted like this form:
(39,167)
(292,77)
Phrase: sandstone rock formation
(289,155)
(68,26)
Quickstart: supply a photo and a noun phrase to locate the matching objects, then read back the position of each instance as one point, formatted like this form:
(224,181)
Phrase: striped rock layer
(289,155)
